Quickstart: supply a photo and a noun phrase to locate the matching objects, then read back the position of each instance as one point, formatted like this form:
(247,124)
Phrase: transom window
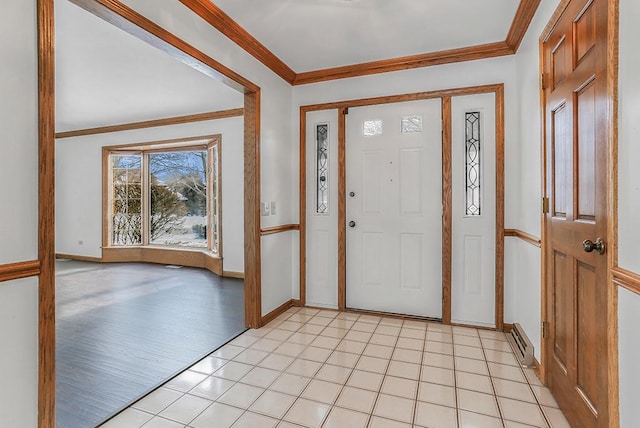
(165,195)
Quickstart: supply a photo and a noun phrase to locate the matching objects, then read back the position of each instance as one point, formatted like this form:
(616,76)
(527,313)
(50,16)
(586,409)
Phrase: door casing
(445,95)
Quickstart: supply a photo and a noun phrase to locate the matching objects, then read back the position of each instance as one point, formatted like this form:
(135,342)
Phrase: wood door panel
(561,158)
(586,165)
(562,311)
(584,32)
(576,132)
(587,328)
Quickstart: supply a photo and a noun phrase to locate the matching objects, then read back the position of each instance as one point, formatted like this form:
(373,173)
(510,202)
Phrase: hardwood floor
(123,329)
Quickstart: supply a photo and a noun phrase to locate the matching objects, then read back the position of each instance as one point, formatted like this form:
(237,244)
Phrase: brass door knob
(599,246)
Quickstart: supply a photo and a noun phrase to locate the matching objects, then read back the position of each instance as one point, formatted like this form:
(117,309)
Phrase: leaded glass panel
(472,158)
(322,168)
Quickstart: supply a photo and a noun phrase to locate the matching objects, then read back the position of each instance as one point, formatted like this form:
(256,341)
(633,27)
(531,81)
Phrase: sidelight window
(322,168)
(472,158)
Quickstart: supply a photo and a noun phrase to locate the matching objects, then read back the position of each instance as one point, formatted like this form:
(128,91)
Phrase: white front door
(473,278)
(394,208)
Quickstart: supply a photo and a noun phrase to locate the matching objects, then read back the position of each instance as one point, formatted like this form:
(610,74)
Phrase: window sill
(191,257)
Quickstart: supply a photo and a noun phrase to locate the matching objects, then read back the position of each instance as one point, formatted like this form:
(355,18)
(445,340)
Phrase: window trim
(154,253)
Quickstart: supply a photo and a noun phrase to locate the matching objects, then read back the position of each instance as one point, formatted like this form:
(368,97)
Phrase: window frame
(210,144)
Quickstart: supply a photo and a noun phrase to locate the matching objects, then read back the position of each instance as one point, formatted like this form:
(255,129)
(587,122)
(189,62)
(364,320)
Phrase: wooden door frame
(137,25)
(445,95)
(611,201)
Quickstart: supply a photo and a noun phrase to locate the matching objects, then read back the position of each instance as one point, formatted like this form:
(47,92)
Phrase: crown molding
(213,15)
(230,28)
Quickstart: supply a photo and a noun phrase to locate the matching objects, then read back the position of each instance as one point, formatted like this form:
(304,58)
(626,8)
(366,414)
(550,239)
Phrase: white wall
(628,208)
(79,185)
(276,144)
(18,213)
(523,284)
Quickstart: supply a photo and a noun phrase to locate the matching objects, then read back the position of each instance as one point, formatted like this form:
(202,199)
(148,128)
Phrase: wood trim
(526,237)
(178,120)
(342,208)
(613,393)
(302,216)
(279,229)
(414,96)
(626,279)
(553,21)
(252,255)
(507,327)
(278,311)
(232,274)
(46,216)
(78,258)
(447,208)
(142,28)
(499,105)
(231,29)
(165,256)
(222,22)
(524,15)
(11,271)
(489,50)
(343,106)
(125,18)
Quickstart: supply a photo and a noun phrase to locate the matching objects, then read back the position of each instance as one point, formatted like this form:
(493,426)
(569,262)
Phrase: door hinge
(543,81)
(345,110)
(545,205)
(543,329)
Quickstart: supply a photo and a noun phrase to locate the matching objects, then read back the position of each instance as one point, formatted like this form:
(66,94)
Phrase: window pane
(126,220)
(178,208)
(322,168)
(411,124)
(371,128)
(472,157)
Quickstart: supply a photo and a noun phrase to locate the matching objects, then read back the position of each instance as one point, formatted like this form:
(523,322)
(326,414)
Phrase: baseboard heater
(522,346)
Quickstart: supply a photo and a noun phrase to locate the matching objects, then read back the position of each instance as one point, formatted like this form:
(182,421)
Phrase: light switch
(273,207)
(264,208)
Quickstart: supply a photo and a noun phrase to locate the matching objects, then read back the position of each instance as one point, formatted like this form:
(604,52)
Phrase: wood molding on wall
(526,237)
(77,257)
(46,216)
(279,229)
(218,19)
(626,279)
(343,106)
(489,50)
(177,120)
(222,22)
(447,208)
(232,274)
(524,15)
(278,311)
(11,271)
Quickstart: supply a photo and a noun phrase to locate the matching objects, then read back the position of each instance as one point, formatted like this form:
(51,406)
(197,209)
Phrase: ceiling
(104,76)
(310,35)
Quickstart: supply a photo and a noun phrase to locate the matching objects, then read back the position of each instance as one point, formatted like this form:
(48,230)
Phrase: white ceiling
(105,76)
(316,34)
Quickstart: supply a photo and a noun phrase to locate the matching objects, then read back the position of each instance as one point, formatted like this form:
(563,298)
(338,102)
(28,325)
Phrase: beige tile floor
(321,368)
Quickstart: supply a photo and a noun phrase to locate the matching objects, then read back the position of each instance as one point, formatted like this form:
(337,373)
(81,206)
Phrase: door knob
(352,194)
(352,223)
(589,246)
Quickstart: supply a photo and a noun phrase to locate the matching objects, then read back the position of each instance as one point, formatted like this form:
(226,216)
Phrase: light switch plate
(264,208)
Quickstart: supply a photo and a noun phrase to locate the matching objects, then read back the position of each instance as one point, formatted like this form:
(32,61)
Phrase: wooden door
(394,208)
(576,112)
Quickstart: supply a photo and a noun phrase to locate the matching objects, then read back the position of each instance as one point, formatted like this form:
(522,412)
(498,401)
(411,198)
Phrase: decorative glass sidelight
(472,159)
(322,168)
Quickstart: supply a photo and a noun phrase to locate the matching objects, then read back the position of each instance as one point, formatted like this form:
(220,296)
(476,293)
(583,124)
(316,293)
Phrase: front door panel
(394,194)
